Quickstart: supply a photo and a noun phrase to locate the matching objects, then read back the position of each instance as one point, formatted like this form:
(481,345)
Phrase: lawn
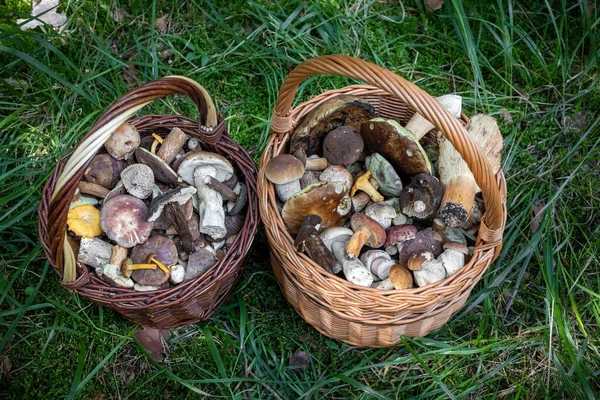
(530,327)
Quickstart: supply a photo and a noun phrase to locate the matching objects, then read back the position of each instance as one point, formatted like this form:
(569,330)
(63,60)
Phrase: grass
(529,328)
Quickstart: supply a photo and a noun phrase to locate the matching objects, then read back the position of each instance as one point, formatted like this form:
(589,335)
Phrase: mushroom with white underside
(170,203)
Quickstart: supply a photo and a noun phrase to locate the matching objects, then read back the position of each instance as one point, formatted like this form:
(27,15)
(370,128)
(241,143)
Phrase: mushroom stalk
(362,183)
(316,164)
(171,145)
(177,218)
(160,265)
(220,187)
(308,240)
(357,241)
(210,205)
(419,126)
(354,271)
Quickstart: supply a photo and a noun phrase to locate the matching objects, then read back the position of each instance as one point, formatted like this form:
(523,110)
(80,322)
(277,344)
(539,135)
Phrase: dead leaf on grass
(538,215)
(152,340)
(120,14)
(45,13)
(162,24)
(299,359)
(130,75)
(435,4)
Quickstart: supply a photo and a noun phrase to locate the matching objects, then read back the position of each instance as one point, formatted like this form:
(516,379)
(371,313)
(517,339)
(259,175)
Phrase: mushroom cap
(84,221)
(202,159)
(180,195)
(284,168)
(325,199)
(162,171)
(397,145)
(337,173)
(376,232)
(425,241)
(104,170)
(337,111)
(199,262)
(425,190)
(123,219)
(163,249)
(138,179)
(382,213)
(118,190)
(390,184)
(343,146)
(335,234)
(123,141)
(400,277)
(399,234)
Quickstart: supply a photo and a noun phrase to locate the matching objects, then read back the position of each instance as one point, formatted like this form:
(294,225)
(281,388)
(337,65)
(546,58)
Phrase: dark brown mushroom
(285,171)
(163,250)
(366,232)
(124,220)
(421,198)
(235,207)
(199,262)
(162,171)
(425,241)
(343,146)
(104,170)
(172,201)
(308,241)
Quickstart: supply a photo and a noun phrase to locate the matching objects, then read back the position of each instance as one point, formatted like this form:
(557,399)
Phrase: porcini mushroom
(456,178)
(400,277)
(421,198)
(337,173)
(425,241)
(124,220)
(285,171)
(177,274)
(193,171)
(173,200)
(122,142)
(430,272)
(343,146)
(379,263)
(330,114)
(335,234)
(308,241)
(397,145)
(398,234)
(362,183)
(84,221)
(382,213)
(171,145)
(453,257)
(138,179)
(416,260)
(366,232)
(419,125)
(328,200)
(104,170)
(354,270)
(386,176)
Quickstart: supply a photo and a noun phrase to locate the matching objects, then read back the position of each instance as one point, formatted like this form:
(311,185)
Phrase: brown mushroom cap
(337,111)
(283,169)
(421,199)
(343,146)
(164,251)
(325,199)
(397,145)
(123,219)
(104,170)
(123,141)
(162,172)
(199,262)
(425,241)
(401,277)
(376,232)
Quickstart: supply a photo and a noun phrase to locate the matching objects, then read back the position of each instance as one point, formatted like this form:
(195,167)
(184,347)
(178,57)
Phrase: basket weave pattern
(335,307)
(193,300)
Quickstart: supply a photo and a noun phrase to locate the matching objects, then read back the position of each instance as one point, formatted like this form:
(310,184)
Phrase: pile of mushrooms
(366,201)
(155,212)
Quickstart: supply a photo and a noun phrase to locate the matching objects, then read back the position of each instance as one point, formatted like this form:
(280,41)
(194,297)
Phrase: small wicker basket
(335,307)
(191,301)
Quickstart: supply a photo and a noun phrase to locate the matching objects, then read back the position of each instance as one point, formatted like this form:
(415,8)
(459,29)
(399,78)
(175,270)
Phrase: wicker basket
(335,307)
(191,301)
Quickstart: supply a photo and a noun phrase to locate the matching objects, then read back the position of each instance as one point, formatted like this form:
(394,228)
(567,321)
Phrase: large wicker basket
(341,310)
(191,301)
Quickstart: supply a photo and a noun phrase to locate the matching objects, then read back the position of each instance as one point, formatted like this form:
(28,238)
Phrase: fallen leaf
(120,14)
(161,24)
(5,367)
(506,116)
(435,4)
(45,13)
(299,359)
(538,215)
(576,122)
(152,340)
(130,75)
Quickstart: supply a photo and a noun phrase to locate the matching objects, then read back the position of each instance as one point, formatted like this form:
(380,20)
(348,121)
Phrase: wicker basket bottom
(345,330)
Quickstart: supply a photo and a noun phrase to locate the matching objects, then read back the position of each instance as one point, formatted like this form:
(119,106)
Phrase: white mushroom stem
(385,284)
(287,190)
(419,206)
(94,252)
(452,260)
(419,126)
(431,271)
(354,271)
(210,204)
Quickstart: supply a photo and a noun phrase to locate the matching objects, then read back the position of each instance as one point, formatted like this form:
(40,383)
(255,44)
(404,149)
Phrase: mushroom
(84,221)
(312,163)
(193,144)
(426,240)
(124,220)
(145,288)
(362,183)
(328,200)
(171,145)
(162,171)
(123,141)
(92,189)
(236,206)
(104,170)
(382,171)
(193,171)
(112,275)
(199,262)
(118,190)
(285,171)
(438,225)
(399,234)
(173,200)
(177,274)
(430,272)
(397,145)
(421,198)
(343,146)
(354,271)
(472,222)
(419,125)
(416,260)
(456,178)
(400,218)
(366,232)
(94,252)
(80,200)
(308,241)
(400,277)
(138,179)
(455,235)
(453,257)
(385,284)
(127,267)
(330,114)
(361,200)
(234,224)
(337,173)
(158,249)
(379,263)
(382,213)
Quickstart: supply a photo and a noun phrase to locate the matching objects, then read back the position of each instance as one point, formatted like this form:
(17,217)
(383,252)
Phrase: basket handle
(338,65)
